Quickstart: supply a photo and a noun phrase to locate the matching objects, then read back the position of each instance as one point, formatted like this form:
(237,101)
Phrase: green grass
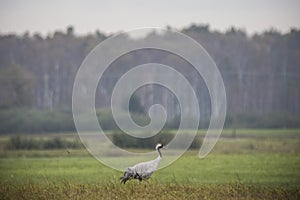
(218,176)
(265,166)
(266,169)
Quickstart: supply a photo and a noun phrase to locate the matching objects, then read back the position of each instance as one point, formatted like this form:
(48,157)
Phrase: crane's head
(159,146)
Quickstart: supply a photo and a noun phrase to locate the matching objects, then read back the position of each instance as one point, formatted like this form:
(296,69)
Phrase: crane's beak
(164,147)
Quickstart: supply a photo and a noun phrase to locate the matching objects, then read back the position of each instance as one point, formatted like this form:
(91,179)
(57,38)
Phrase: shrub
(33,121)
(28,143)
(126,141)
(107,122)
(272,120)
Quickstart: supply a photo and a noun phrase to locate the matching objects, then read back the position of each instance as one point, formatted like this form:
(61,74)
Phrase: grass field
(265,166)
(263,169)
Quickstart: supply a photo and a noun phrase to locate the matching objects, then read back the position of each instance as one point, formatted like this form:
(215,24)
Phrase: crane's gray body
(143,170)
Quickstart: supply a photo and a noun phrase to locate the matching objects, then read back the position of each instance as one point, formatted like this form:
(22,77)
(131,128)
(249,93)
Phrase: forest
(260,71)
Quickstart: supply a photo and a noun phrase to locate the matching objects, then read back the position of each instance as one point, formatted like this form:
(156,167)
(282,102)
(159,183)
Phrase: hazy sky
(111,15)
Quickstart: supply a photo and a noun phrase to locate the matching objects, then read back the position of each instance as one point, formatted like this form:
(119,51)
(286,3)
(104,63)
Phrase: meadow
(256,164)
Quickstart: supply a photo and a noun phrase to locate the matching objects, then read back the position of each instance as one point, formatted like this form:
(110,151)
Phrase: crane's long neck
(159,153)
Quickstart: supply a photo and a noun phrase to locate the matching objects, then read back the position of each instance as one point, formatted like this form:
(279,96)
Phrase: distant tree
(135,105)
(70,31)
(16,87)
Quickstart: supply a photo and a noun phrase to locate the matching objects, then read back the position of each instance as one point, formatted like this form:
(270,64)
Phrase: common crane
(143,170)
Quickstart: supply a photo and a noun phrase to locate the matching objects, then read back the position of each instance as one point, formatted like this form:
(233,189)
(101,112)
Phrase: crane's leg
(137,176)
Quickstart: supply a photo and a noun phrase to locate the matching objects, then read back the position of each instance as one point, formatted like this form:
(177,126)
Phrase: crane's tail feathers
(123,180)
(127,176)
(130,175)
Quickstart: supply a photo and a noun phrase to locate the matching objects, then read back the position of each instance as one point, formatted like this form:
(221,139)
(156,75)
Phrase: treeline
(24,121)
(21,142)
(261,73)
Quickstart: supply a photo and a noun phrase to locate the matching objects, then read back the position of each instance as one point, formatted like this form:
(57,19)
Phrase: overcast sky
(110,16)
